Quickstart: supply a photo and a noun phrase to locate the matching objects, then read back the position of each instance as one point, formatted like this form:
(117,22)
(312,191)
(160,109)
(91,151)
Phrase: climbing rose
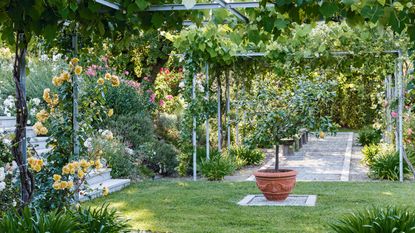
(169,97)
(394,114)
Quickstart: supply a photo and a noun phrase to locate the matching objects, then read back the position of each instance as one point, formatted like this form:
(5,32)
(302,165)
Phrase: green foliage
(369,153)
(369,136)
(102,219)
(126,100)
(386,166)
(168,127)
(247,155)
(134,129)
(117,156)
(377,219)
(159,156)
(217,167)
(37,221)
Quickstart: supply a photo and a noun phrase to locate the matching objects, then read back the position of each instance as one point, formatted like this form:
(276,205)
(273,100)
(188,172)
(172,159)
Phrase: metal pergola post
(400,114)
(207,114)
(228,108)
(75,110)
(194,131)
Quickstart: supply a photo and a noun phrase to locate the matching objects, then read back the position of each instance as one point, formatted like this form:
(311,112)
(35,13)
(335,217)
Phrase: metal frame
(219,4)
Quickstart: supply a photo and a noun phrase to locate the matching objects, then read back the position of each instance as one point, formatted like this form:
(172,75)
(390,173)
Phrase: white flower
(14,203)
(56,57)
(2,175)
(201,88)
(44,57)
(181,84)
(88,143)
(107,135)
(7,142)
(129,151)
(2,186)
(36,101)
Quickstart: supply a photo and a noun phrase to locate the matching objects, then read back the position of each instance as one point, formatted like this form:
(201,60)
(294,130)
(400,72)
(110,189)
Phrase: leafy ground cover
(174,206)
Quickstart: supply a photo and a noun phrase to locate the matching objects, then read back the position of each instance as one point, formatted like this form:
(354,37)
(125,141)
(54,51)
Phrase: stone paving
(334,158)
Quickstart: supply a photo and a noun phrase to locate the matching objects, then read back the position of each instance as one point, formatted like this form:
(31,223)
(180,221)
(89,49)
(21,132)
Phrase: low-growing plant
(217,167)
(377,219)
(102,220)
(249,156)
(369,135)
(37,221)
(369,153)
(386,166)
(159,156)
(120,158)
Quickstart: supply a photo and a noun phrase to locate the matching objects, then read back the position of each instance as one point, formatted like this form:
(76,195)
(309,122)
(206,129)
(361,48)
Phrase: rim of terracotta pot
(273,173)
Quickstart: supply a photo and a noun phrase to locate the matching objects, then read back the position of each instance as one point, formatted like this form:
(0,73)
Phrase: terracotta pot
(276,186)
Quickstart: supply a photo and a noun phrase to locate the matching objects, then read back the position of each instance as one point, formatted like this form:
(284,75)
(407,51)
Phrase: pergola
(231,7)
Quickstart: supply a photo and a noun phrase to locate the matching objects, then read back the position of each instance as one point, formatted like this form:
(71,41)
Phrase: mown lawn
(167,206)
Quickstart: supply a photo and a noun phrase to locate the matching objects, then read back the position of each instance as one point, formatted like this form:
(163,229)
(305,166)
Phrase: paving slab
(334,158)
(292,200)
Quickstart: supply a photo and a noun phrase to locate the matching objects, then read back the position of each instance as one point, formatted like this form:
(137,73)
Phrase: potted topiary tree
(277,119)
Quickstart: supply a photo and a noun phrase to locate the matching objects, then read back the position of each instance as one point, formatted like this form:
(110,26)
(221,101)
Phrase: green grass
(167,206)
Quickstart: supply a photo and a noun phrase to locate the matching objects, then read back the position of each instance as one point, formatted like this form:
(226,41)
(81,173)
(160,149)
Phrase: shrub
(218,167)
(120,158)
(167,127)
(135,129)
(389,219)
(386,166)
(103,219)
(369,136)
(249,156)
(38,221)
(159,156)
(125,100)
(369,153)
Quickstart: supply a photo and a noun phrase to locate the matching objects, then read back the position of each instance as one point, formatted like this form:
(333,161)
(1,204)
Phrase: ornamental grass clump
(377,219)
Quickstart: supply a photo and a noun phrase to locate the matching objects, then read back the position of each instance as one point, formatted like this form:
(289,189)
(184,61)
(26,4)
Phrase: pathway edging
(345,176)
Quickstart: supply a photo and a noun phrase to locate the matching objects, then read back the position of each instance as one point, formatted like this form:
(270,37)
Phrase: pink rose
(126,72)
(91,72)
(161,103)
(409,131)
(152,98)
(394,114)
(169,97)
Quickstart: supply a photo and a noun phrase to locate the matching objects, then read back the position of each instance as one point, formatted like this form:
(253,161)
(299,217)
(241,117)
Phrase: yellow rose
(107,76)
(81,174)
(84,163)
(39,129)
(74,61)
(46,95)
(55,100)
(100,81)
(39,162)
(66,170)
(105,191)
(110,112)
(57,81)
(57,177)
(69,185)
(115,81)
(37,168)
(65,76)
(56,185)
(78,70)
(64,184)
(42,116)
(31,160)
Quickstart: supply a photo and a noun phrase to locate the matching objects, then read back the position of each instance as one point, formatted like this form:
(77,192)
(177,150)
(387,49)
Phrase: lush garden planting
(95,95)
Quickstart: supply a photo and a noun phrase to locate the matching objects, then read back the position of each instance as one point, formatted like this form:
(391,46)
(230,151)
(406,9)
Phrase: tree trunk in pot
(277,148)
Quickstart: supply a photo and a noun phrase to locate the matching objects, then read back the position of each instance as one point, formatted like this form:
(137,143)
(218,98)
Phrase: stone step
(97,177)
(7,122)
(29,131)
(43,151)
(39,142)
(113,185)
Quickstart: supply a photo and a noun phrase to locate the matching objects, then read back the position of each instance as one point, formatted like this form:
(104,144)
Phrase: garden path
(334,158)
